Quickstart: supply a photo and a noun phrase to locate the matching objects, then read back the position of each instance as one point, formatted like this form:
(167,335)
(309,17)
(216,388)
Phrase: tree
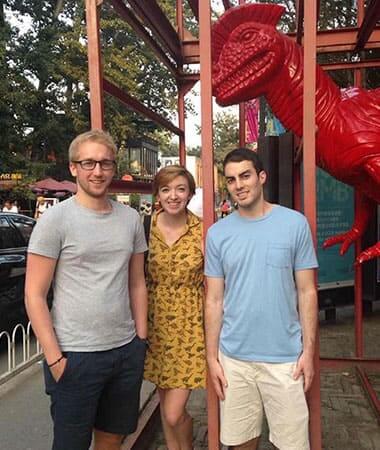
(44,101)
(226,135)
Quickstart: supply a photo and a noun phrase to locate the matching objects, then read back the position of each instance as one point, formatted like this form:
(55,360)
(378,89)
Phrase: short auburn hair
(167,175)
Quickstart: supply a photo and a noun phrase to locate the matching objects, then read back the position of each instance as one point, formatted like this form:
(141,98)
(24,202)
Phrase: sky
(191,136)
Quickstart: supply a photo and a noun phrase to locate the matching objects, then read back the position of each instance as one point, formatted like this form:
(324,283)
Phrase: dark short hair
(167,175)
(244,154)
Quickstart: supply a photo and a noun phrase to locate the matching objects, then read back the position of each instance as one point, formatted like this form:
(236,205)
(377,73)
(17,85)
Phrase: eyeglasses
(90,164)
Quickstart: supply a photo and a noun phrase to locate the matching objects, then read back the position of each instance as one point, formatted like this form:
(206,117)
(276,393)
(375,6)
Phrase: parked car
(15,231)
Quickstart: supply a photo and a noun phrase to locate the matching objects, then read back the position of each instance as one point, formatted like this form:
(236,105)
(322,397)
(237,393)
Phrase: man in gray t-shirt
(91,250)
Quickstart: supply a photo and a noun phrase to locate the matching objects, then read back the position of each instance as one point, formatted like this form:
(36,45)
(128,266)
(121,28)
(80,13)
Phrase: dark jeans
(97,390)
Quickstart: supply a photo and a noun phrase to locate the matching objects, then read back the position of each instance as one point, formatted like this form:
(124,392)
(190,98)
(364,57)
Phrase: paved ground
(25,422)
(348,421)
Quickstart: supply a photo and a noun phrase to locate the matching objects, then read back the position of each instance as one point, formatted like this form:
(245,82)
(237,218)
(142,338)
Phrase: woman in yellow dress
(175,360)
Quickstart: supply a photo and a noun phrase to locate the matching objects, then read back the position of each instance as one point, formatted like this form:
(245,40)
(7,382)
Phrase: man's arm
(213,325)
(39,274)
(138,294)
(308,310)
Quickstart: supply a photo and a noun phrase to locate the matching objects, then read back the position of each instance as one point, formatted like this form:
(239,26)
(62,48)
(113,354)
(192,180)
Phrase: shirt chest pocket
(278,255)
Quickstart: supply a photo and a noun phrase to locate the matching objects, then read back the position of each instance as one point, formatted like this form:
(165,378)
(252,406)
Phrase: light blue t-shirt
(257,259)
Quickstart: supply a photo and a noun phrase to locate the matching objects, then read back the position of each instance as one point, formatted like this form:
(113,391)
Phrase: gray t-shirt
(91,308)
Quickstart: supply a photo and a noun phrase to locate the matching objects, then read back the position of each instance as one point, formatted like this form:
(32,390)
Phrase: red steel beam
(300,13)
(328,41)
(358,288)
(242,118)
(137,106)
(190,50)
(370,391)
(242,126)
(182,89)
(309,185)
(345,363)
(94,65)
(152,15)
(207,179)
(360,12)
(372,16)
(343,39)
(359,341)
(139,29)
(181,124)
(132,187)
(370,63)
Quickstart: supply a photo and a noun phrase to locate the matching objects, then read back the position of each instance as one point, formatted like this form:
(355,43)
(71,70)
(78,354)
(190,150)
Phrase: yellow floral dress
(176,353)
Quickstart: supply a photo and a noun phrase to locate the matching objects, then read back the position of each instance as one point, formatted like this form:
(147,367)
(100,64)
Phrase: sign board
(335,214)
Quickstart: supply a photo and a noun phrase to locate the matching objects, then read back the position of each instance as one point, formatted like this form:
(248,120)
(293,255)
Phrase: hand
(58,369)
(218,379)
(142,337)
(305,366)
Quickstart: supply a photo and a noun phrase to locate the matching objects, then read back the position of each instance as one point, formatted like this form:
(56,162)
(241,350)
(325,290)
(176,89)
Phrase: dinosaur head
(246,50)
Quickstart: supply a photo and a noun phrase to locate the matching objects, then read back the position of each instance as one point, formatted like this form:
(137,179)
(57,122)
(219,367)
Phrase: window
(24,225)
(9,237)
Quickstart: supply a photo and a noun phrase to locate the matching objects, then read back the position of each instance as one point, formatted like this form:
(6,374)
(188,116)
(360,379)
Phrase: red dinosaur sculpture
(251,58)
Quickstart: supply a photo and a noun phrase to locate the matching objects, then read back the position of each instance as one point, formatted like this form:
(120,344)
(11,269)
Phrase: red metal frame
(242,121)
(154,18)
(372,16)
(139,29)
(208,179)
(94,65)
(309,192)
(175,49)
(137,106)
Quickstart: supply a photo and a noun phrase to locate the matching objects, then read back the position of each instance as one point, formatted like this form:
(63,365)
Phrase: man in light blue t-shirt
(261,312)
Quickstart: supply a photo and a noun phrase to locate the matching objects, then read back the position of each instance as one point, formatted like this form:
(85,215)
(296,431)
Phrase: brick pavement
(348,422)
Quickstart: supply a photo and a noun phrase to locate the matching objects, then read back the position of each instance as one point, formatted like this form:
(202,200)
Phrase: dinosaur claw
(369,253)
(346,239)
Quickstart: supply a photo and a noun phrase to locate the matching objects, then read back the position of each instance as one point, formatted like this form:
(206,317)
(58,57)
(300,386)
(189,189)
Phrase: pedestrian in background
(9,207)
(41,206)
(94,340)
(175,359)
(261,312)
(225,208)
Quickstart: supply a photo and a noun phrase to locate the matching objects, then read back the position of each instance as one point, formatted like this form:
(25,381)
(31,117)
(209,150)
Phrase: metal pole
(242,119)
(94,65)
(181,90)
(309,184)
(359,343)
(181,124)
(208,177)
(242,125)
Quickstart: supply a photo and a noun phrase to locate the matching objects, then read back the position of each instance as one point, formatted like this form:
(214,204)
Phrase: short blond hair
(168,173)
(99,136)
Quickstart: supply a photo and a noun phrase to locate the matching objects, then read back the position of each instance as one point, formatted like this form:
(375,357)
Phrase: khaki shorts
(254,386)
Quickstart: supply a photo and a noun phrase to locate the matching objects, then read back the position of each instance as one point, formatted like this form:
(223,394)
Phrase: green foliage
(226,135)
(44,90)
(134,201)
(194,151)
